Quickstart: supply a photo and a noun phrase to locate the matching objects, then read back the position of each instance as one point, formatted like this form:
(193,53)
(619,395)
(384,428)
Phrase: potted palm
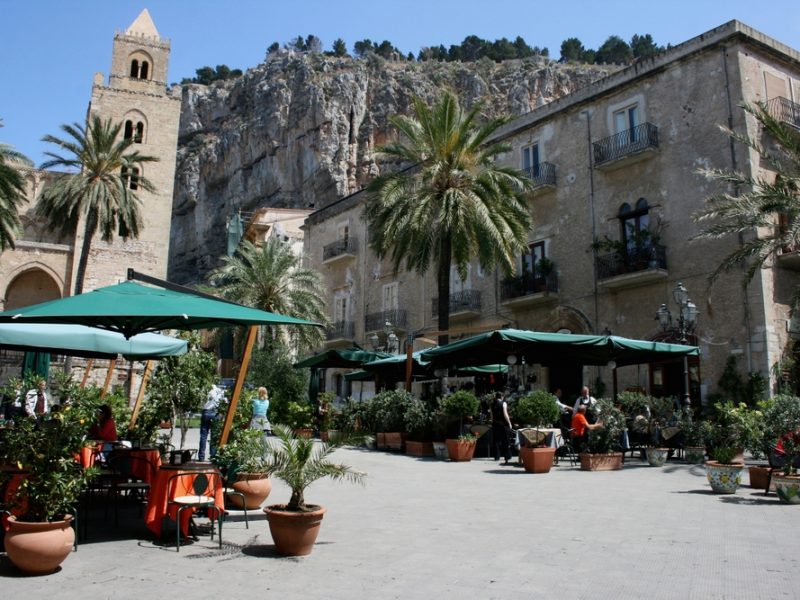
(460,405)
(43,489)
(602,454)
(727,432)
(538,410)
(241,462)
(299,462)
(782,428)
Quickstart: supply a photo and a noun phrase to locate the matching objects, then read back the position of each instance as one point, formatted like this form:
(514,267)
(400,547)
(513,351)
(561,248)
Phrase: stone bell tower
(137,95)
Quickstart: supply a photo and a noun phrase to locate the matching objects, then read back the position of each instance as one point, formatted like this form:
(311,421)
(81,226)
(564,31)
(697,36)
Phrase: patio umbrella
(340,358)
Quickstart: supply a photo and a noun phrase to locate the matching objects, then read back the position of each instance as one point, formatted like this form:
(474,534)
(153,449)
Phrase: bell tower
(137,95)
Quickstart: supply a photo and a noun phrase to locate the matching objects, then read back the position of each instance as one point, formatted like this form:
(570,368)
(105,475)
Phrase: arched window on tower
(139,137)
(135,68)
(144,70)
(134,185)
(128,129)
(130,178)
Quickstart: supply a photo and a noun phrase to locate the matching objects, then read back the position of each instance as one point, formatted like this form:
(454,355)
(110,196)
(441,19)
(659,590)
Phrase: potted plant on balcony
(544,269)
(727,432)
(782,430)
(43,489)
(460,405)
(419,423)
(241,462)
(602,454)
(299,462)
(537,410)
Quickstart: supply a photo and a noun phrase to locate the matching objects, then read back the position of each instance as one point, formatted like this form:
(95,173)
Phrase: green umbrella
(340,358)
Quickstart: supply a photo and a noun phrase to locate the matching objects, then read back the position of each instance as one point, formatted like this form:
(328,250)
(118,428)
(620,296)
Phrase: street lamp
(687,321)
(392,341)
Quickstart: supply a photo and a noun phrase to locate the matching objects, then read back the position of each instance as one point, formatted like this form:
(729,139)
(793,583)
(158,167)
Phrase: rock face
(300,130)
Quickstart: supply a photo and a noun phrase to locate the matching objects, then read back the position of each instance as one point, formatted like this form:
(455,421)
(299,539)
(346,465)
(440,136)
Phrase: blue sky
(52,48)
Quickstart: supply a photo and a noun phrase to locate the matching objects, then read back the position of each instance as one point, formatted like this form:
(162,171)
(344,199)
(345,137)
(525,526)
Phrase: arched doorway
(31,287)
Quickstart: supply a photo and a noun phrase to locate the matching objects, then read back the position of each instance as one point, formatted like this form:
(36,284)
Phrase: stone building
(615,169)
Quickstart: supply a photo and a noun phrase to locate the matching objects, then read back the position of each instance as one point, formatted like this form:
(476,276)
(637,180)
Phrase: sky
(51,49)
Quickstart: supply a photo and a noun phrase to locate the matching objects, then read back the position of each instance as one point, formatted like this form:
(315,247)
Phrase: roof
(143,26)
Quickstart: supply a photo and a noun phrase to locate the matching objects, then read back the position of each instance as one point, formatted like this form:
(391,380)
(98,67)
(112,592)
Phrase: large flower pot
(758,478)
(294,533)
(788,488)
(537,460)
(440,450)
(695,455)
(460,450)
(394,440)
(611,461)
(724,478)
(419,448)
(304,432)
(255,487)
(39,548)
(656,457)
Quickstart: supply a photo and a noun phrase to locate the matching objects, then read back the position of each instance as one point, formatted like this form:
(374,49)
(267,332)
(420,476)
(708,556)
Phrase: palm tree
(99,188)
(272,278)
(12,193)
(758,204)
(453,204)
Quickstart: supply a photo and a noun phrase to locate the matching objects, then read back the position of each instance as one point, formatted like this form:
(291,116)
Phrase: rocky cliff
(300,131)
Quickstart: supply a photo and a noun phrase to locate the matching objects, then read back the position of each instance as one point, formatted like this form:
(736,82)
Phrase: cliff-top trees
(101,188)
(12,193)
(454,204)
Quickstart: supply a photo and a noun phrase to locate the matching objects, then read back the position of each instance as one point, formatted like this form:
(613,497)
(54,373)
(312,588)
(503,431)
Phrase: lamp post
(686,323)
(392,341)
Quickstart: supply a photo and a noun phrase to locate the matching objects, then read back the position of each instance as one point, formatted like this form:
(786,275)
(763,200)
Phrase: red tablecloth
(158,502)
(139,468)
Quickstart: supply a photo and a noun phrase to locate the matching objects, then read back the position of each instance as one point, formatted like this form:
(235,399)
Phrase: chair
(479,430)
(229,491)
(567,450)
(124,479)
(204,486)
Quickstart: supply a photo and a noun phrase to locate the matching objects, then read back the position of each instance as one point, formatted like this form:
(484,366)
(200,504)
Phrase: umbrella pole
(112,364)
(89,364)
(614,372)
(140,396)
(237,389)
(409,360)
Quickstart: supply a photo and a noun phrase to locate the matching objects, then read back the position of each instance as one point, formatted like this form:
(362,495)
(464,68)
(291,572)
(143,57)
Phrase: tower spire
(143,26)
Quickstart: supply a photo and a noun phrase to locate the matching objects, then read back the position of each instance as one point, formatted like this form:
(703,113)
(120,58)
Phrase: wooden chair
(204,486)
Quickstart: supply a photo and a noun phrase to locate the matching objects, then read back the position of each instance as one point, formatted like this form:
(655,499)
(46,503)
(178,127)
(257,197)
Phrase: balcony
(785,110)
(636,267)
(463,304)
(626,147)
(542,175)
(340,249)
(527,290)
(340,331)
(376,321)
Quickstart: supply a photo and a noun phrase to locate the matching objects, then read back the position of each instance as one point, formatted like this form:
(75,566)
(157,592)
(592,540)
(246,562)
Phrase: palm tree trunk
(83,261)
(443,287)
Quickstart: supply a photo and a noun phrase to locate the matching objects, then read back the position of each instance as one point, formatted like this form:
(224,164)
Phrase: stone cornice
(28,245)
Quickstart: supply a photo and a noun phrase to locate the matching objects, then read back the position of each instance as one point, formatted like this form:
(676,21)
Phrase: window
(626,120)
(139,133)
(532,257)
(143,70)
(135,68)
(390,297)
(530,160)
(128,129)
(130,177)
(340,309)
(139,70)
(635,226)
(458,285)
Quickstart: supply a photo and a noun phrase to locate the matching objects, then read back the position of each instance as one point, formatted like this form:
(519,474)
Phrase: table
(138,468)
(157,505)
(553,437)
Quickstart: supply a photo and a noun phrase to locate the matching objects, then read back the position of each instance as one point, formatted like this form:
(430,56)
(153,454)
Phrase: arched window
(139,133)
(144,70)
(130,177)
(128,129)
(135,68)
(634,223)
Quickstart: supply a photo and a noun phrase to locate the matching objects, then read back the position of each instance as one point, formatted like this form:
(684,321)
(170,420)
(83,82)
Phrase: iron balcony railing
(341,330)
(460,301)
(543,173)
(344,246)
(653,256)
(785,110)
(377,321)
(626,142)
(527,284)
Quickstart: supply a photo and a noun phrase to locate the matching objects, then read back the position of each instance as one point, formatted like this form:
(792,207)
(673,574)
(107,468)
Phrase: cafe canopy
(340,358)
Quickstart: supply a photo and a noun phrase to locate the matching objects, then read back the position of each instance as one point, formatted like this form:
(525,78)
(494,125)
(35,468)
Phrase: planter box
(419,448)
(537,460)
(380,440)
(758,478)
(460,451)
(304,433)
(394,440)
(601,462)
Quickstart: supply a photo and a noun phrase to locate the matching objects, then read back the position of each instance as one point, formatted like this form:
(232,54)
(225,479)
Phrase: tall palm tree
(12,193)
(272,278)
(103,173)
(453,204)
(766,206)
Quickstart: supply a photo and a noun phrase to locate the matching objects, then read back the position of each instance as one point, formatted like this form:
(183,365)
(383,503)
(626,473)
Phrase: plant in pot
(602,454)
(660,412)
(298,417)
(391,408)
(537,410)
(299,462)
(242,464)
(782,429)
(727,432)
(43,491)
(459,406)
(694,439)
(419,423)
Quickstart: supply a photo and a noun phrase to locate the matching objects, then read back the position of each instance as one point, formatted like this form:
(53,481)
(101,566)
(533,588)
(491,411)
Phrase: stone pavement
(422,528)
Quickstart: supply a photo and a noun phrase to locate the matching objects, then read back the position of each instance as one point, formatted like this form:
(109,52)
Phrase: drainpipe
(595,293)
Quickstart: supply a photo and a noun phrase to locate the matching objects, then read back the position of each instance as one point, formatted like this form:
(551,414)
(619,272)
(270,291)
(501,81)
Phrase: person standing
(207,418)
(36,403)
(501,427)
(260,409)
(584,399)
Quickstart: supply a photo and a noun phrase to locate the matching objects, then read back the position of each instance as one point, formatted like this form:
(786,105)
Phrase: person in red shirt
(581,428)
(105,429)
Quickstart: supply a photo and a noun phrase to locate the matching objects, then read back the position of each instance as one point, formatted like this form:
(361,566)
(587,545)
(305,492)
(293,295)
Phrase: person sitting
(104,430)
(581,428)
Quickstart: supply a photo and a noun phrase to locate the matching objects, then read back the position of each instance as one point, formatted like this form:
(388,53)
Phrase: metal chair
(567,450)
(204,486)
(229,491)
(125,481)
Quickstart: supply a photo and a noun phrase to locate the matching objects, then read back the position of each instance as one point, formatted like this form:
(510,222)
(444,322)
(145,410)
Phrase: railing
(376,321)
(344,246)
(527,284)
(341,330)
(785,110)
(460,301)
(543,173)
(653,256)
(626,142)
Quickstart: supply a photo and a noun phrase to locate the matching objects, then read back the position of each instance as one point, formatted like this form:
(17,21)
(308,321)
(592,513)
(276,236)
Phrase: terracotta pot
(39,548)
(332,436)
(419,448)
(255,487)
(460,450)
(165,425)
(758,478)
(537,460)
(294,533)
(601,462)
(787,487)
(394,440)
(440,450)
(656,457)
(695,455)
(724,478)
(304,433)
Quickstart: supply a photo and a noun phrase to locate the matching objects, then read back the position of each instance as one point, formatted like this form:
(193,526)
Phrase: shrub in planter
(781,418)
(242,464)
(537,409)
(460,405)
